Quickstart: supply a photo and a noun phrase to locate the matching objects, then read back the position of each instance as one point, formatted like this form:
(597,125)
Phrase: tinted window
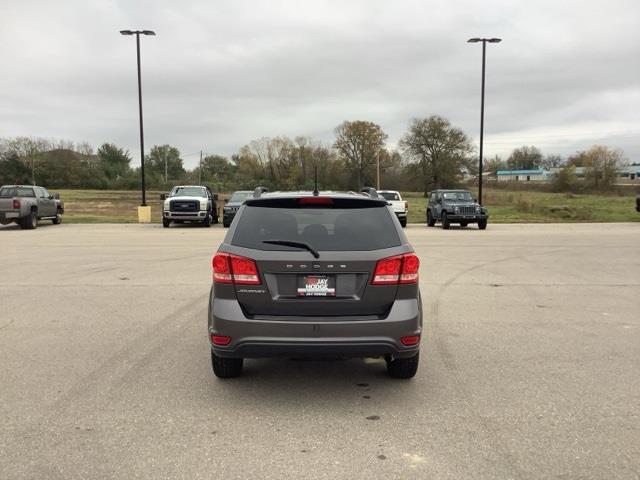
(334,229)
(16,192)
(238,197)
(390,196)
(189,192)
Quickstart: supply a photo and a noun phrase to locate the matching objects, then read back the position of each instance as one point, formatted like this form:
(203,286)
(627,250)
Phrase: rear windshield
(390,195)
(16,192)
(238,197)
(328,229)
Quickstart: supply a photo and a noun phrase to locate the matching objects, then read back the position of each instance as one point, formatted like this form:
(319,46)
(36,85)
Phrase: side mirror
(475,200)
(226,200)
(215,196)
(163,196)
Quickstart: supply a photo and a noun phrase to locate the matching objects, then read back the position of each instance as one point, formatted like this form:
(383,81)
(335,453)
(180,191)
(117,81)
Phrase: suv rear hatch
(349,235)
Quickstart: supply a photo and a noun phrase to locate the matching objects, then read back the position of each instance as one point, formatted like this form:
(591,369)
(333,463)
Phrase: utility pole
(200,170)
(484,54)
(137,33)
(165,166)
(378,171)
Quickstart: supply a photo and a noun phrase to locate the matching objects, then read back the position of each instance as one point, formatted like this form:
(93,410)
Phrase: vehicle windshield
(239,197)
(390,195)
(457,196)
(16,192)
(329,229)
(189,192)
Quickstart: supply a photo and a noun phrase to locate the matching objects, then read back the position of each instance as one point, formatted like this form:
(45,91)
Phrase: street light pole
(484,55)
(137,33)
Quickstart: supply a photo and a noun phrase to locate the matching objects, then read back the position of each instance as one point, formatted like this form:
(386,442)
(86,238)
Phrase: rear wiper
(288,243)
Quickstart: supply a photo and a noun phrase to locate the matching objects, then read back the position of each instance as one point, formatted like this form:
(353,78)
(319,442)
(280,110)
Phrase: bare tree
(440,149)
(359,144)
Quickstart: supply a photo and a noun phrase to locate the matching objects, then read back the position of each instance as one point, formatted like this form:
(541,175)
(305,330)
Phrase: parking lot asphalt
(530,364)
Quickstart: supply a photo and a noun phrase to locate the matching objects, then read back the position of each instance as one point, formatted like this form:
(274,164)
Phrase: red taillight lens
(410,266)
(410,340)
(387,271)
(16,204)
(398,269)
(220,339)
(406,206)
(315,201)
(245,271)
(229,268)
(221,268)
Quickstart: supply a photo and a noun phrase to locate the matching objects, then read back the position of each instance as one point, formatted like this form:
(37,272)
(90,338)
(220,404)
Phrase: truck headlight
(478,209)
(203,204)
(166,204)
(456,210)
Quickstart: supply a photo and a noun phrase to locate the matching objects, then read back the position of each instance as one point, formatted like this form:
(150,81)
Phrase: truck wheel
(215,219)
(430,220)
(403,222)
(30,221)
(482,224)
(445,221)
(57,220)
(226,367)
(207,221)
(166,223)
(403,367)
(226,224)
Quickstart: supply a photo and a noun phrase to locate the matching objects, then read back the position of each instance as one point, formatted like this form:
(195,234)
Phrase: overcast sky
(221,73)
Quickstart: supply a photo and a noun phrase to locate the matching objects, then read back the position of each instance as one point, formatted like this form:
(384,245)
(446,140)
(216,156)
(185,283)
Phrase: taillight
(220,339)
(228,268)
(406,206)
(16,204)
(398,269)
(410,340)
(315,201)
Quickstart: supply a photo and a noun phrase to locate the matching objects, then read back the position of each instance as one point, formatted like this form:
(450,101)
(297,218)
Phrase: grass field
(108,206)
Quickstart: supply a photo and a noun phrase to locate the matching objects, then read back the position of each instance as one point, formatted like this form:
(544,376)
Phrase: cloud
(219,74)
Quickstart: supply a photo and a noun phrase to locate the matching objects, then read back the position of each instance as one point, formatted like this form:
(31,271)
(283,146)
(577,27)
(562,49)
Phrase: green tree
(525,158)
(565,180)
(602,164)
(439,149)
(13,170)
(114,161)
(165,161)
(359,144)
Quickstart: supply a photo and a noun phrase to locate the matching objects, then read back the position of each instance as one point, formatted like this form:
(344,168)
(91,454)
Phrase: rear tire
(226,367)
(166,223)
(226,224)
(403,222)
(445,221)
(57,220)
(403,367)
(430,220)
(482,224)
(30,222)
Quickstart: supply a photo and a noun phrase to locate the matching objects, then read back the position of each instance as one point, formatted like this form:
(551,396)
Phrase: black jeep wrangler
(455,206)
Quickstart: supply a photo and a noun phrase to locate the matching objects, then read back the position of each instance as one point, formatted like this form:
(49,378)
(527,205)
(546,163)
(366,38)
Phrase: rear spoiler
(316,202)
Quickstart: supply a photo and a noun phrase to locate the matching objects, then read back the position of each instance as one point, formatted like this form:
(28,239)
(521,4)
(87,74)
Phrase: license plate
(317,286)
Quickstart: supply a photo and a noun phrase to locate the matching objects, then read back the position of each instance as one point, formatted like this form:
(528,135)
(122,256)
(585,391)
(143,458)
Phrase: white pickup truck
(400,207)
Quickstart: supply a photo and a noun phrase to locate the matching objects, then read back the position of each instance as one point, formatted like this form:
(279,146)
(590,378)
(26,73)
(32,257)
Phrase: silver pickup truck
(26,204)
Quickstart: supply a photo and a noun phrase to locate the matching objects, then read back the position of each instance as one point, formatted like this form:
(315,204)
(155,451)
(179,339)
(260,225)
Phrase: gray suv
(455,206)
(306,275)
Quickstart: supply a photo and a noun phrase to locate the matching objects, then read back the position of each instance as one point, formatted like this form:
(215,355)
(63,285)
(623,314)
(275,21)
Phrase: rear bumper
(9,215)
(193,216)
(314,336)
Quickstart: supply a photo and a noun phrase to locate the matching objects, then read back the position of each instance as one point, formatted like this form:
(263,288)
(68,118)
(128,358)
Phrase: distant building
(536,175)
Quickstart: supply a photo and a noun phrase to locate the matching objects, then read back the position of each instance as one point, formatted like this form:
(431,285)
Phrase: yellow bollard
(144,214)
